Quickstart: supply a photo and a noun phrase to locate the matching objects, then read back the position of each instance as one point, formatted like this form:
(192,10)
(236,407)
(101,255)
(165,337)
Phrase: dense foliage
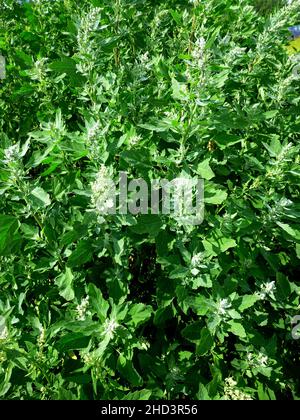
(145,307)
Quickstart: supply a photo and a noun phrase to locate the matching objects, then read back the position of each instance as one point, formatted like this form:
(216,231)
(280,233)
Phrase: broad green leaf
(139,314)
(82,254)
(147,223)
(180,90)
(128,371)
(142,395)
(237,329)
(247,302)
(202,394)
(72,341)
(39,198)
(213,194)
(295,233)
(64,283)
(204,170)
(8,227)
(193,332)
(206,342)
(98,302)
(283,286)
(225,140)
(270,114)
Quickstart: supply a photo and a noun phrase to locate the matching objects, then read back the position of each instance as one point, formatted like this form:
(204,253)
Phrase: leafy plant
(146,307)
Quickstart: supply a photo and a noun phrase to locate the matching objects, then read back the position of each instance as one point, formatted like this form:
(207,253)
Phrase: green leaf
(82,254)
(275,147)
(283,286)
(180,90)
(147,224)
(193,332)
(202,394)
(218,243)
(158,126)
(142,395)
(64,283)
(39,198)
(225,140)
(139,314)
(247,302)
(298,250)
(136,158)
(270,114)
(205,343)
(68,66)
(8,227)
(204,170)
(295,233)
(163,314)
(73,341)
(213,194)
(237,329)
(128,371)
(98,302)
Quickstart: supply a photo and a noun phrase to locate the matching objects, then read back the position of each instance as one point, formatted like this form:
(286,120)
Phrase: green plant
(140,307)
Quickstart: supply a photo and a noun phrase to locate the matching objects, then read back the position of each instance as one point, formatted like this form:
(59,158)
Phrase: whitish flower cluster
(89,359)
(39,70)
(12,154)
(109,327)
(3,329)
(233,54)
(267,289)
(196,260)
(259,360)
(198,52)
(134,140)
(88,24)
(231,392)
(2,67)
(4,333)
(144,59)
(93,130)
(197,263)
(172,115)
(222,307)
(175,374)
(141,68)
(82,309)
(103,192)
(42,337)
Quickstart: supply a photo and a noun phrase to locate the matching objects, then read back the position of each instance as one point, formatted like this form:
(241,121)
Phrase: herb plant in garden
(97,306)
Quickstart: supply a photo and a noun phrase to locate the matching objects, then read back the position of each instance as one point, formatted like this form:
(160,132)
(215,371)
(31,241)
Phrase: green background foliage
(124,307)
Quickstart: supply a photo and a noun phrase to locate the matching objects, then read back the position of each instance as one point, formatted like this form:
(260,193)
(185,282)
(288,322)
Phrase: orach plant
(103,305)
